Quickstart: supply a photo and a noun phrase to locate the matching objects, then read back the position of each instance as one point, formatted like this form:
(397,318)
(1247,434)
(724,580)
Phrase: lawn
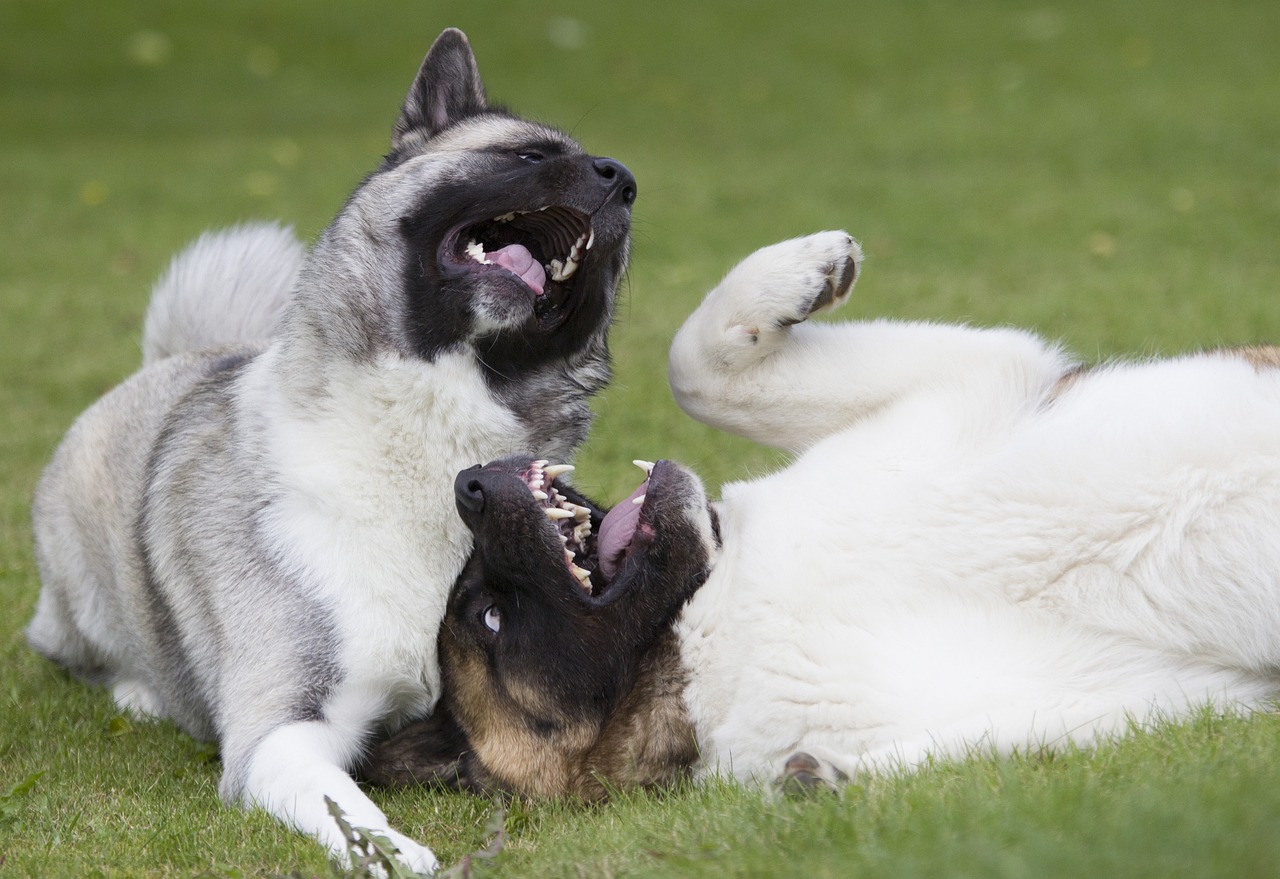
(1107,173)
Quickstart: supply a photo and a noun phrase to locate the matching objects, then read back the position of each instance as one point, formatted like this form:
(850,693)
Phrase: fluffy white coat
(971,551)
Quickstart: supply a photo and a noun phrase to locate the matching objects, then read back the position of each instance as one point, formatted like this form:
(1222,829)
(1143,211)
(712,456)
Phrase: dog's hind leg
(747,360)
(294,769)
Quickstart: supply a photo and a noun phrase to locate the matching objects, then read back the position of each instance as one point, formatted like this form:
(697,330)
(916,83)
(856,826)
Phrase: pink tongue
(616,531)
(516,259)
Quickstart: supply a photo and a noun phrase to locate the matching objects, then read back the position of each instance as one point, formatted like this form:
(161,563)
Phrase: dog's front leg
(291,771)
(748,362)
(742,363)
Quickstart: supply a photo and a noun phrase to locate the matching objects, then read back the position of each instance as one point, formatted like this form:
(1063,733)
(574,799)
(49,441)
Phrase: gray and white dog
(255,535)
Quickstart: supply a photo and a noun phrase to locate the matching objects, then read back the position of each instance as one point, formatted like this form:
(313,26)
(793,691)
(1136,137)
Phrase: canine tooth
(570,266)
(591,238)
(562,271)
(540,495)
(554,470)
(555,513)
(646,466)
(638,500)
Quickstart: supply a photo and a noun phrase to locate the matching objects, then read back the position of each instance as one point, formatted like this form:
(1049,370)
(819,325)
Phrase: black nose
(615,177)
(468,491)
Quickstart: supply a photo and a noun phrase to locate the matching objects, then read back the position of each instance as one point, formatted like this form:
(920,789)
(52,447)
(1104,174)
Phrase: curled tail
(225,287)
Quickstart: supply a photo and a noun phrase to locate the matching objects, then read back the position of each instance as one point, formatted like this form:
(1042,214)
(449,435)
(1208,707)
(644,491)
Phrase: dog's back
(217,302)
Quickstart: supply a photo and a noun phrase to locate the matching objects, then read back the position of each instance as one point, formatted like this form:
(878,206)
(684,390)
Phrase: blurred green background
(1108,173)
(1105,172)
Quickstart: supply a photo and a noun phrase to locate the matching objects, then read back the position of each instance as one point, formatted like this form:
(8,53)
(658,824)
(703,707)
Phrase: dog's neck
(649,740)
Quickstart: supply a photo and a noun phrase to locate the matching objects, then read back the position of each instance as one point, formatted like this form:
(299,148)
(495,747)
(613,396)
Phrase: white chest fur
(367,510)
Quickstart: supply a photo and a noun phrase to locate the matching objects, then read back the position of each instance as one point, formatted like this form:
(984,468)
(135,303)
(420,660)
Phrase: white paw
(784,283)
(413,855)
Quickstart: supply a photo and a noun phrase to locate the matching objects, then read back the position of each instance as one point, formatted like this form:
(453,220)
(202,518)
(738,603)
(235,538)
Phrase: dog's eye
(530,156)
(491,618)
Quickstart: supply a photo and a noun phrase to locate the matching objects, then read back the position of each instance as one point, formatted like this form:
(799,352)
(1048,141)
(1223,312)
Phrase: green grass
(1107,173)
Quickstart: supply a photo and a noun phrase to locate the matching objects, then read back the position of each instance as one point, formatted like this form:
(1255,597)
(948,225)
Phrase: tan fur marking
(1260,357)
(647,740)
(1067,381)
(499,730)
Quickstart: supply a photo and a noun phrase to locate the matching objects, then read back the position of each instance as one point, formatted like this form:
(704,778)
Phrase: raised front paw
(784,283)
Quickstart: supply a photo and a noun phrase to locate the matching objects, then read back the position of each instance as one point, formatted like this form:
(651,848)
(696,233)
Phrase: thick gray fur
(255,535)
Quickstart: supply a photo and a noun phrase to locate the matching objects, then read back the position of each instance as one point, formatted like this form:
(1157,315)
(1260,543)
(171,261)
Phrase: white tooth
(540,463)
(575,252)
(554,470)
(569,555)
(582,532)
(646,466)
(505,218)
(540,495)
(555,513)
(591,238)
(638,500)
(583,576)
(562,271)
(475,250)
(581,514)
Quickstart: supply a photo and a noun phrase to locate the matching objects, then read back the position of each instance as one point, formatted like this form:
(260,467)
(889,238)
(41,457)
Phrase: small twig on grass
(372,855)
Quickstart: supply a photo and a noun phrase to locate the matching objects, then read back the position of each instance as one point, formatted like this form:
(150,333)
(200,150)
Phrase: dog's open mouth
(595,547)
(544,248)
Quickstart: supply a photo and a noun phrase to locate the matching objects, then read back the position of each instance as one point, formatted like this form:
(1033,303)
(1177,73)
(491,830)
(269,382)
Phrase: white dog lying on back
(980,544)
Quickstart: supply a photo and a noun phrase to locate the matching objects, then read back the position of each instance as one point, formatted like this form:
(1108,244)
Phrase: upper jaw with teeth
(559,509)
(518,260)
(572,521)
(563,271)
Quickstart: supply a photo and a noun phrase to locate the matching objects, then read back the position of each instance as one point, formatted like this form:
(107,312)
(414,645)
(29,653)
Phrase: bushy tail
(227,286)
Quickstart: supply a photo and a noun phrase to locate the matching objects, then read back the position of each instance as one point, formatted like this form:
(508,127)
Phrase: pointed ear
(447,88)
(431,751)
